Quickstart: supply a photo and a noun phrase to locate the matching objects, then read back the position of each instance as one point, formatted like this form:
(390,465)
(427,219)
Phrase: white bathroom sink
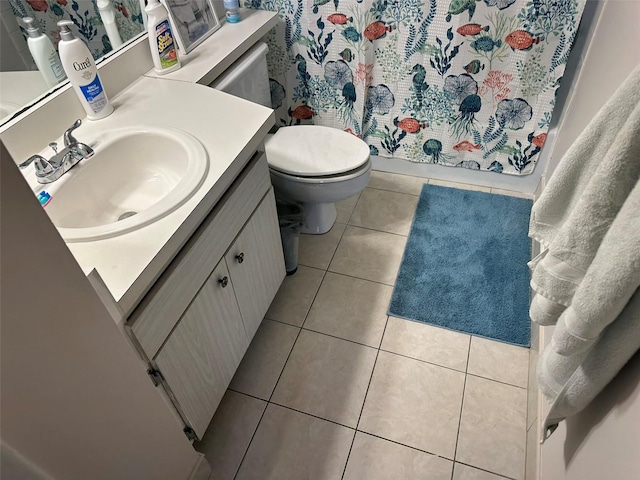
(136,176)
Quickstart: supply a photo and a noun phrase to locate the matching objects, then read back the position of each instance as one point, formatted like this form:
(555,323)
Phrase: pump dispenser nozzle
(30,27)
(65,30)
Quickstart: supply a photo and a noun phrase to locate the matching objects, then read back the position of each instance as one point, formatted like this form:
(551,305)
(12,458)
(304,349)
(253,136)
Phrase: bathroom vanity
(196,323)
(189,289)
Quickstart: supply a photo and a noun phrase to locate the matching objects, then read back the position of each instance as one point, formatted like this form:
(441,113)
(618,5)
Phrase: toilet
(314,165)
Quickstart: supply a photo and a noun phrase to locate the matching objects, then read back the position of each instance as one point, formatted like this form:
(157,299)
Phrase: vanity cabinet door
(201,355)
(256,263)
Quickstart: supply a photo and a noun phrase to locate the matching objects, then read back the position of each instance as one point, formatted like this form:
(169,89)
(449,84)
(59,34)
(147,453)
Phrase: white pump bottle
(44,54)
(82,72)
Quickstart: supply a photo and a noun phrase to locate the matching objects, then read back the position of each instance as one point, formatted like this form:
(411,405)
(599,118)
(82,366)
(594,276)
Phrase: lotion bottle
(108,16)
(82,72)
(44,54)
(161,40)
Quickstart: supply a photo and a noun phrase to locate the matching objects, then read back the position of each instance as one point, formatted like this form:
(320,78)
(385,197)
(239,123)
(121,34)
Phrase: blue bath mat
(465,265)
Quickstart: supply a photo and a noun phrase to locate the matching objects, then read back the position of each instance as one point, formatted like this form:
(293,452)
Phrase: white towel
(588,219)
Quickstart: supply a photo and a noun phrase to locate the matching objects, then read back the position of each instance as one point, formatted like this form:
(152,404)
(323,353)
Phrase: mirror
(104,25)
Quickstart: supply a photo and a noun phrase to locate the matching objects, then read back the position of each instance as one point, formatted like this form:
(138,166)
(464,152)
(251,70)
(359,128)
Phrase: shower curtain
(463,83)
(86,17)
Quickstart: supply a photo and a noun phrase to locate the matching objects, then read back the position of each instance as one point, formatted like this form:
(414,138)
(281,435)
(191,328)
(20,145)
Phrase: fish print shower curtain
(463,83)
(86,17)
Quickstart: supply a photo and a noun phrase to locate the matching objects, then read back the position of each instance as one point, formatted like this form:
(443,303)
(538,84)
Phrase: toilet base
(319,217)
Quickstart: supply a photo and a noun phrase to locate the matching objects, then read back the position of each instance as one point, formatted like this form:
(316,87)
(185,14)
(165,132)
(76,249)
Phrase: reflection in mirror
(104,25)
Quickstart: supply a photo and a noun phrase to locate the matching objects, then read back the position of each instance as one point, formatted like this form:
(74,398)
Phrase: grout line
(351,214)
(464,386)
(364,401)
(324,276)
(485,470)
(295,341)
(505,193)
(235,475)
(340,338)
(460,185)
(312,415)
(247,394)
(283,323)
(392,191)
(497,381)
(325,269)
(420,360)
(377,230)
(360,278)
(405,445)
(277,381)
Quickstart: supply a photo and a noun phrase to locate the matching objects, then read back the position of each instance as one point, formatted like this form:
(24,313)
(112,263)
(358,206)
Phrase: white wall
(603,441)
(613,51)
(76,401)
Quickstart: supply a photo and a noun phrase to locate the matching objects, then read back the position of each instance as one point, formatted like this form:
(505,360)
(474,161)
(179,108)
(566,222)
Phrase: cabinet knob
(224,281)
(240,257)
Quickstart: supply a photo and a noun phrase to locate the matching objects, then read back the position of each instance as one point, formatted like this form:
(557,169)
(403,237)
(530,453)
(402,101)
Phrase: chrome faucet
(48,171)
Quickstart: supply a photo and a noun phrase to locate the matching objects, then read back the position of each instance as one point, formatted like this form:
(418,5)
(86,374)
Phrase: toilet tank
(248,77)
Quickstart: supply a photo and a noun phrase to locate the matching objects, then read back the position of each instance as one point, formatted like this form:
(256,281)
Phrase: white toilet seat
(340,177)
(315,152)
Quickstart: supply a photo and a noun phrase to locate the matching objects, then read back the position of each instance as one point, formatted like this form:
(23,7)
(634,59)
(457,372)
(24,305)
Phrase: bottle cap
(30,27)
(65,30)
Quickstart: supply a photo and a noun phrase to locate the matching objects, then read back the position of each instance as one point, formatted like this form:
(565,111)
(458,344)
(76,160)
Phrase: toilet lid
(313,150)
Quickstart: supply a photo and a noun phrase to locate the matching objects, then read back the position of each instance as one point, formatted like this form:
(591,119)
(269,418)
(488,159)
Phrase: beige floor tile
(326,377)
(292,445)
(427,343)
(414,403)
(229,433)
(531,467)
(532,389)
(499,361)
(296,294)
(462,186)
(350,308)
(317,250)
(262,364)
(397,183)
(369,255)
(492,428)
(465,472)
(345,208)
(373,458)
(511,193)
(385,211)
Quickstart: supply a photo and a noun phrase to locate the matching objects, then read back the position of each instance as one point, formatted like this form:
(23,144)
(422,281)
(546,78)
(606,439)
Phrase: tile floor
(332,388)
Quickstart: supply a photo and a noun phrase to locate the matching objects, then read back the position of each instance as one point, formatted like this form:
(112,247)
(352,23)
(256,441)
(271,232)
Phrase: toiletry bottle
(108,16)
(161,40)
(233,11)
(44,54)
(83,74)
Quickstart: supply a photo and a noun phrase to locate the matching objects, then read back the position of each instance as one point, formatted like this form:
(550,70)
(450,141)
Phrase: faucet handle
(54,147)
(69,139)
(43,167)
(31,159)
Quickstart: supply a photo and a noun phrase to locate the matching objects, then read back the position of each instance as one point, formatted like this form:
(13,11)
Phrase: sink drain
(126,215)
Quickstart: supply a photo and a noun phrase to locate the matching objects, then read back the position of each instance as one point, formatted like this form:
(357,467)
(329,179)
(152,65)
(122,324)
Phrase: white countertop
(213,56)
(231,129)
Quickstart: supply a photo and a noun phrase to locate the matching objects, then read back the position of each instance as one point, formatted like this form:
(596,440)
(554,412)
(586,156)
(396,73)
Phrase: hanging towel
(588,221)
